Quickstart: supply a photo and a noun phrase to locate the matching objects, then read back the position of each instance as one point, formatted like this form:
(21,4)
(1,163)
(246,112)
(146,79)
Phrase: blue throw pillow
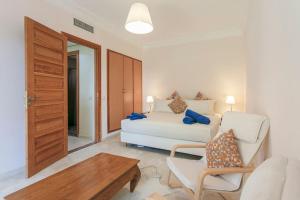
(197,117)
(188,120)
(135,116)
(138,115)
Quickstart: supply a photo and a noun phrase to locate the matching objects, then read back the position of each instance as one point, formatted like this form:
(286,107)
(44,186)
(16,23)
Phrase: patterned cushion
(223,152)
(174,95)
(200,96)
(178,105)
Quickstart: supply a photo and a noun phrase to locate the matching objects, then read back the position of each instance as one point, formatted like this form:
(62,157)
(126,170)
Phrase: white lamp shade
(139,19)
(230,100)
(150,99)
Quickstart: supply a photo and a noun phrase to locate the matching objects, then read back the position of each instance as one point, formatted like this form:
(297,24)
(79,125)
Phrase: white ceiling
(173,20)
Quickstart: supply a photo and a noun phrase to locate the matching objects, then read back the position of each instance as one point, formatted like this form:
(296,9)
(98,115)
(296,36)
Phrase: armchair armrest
(185,146)
(217,171)
(227,170)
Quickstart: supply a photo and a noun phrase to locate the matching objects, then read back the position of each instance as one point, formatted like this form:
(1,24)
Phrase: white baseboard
(111,134)
(16,172)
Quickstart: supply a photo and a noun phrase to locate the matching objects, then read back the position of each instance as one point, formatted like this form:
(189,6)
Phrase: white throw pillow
(161,105)
(204,107)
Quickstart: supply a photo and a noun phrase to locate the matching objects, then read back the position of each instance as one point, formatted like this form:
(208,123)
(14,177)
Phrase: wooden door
(128,86)
(137,80)
(115,90)
(46,85)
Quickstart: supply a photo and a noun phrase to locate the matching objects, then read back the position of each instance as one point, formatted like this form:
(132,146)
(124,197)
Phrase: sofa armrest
(185,146)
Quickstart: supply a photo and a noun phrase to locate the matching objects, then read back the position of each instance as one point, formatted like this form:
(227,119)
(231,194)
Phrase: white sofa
(163,129)
(276,179)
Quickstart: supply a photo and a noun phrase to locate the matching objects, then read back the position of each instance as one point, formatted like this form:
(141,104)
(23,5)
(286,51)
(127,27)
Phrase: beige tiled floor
(75,142)
(152,164)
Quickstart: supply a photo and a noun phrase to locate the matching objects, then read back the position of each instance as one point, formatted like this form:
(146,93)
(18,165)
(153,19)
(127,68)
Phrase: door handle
(30,100)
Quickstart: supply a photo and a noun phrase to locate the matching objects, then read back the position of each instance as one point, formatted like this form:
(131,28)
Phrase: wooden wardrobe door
(137,88)
(46,85)
(128,86)
(115,90)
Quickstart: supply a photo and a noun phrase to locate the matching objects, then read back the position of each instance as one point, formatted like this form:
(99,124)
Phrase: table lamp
(150,101)
(230,100)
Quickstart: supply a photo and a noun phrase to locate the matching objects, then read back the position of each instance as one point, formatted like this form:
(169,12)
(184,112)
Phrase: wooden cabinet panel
(128,86)
(137,79)
(115,90)
(124,88)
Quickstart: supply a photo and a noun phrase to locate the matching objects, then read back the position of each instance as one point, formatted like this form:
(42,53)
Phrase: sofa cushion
(174,95)
(161,105)
(200,96)
(203,107)
(177,106)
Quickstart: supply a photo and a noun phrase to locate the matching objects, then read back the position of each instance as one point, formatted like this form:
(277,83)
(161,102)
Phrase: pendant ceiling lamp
(139,19)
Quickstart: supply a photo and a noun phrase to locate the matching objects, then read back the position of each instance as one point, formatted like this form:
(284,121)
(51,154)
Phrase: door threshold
(82,147)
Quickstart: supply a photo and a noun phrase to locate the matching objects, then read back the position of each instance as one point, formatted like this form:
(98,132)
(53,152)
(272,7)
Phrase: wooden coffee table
(99,177)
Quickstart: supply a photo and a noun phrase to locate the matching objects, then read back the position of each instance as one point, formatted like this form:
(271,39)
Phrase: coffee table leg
(135,180)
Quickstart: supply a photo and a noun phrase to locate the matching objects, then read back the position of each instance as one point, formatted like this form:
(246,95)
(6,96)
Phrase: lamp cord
(157,174)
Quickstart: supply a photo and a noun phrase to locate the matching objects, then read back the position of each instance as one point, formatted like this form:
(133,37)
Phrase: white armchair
(250,131)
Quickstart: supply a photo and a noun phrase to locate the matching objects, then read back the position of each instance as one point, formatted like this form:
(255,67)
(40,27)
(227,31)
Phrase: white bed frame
(159,142)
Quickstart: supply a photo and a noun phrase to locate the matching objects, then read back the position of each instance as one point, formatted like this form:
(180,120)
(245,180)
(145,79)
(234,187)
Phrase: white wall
(273,69)
(214,67)
(86,90)
(12,68)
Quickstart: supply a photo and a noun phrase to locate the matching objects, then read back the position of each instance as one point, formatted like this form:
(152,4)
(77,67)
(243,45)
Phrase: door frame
(97,100)
(76,54)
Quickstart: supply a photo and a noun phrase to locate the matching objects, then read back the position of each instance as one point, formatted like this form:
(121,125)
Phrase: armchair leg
(172,185)
(221,195)
(200,196)
(169,178)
